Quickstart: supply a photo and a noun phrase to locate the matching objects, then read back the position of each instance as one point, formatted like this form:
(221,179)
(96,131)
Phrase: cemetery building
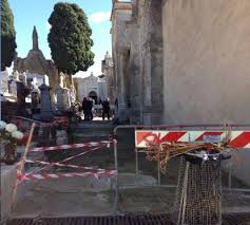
(35,62)
(107,77)
(36,65)
(91,86)
(181,62)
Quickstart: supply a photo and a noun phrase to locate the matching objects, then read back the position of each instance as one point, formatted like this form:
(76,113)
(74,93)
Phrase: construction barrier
(71,146)
(144,135)
(239,138)
(94,171)
(97,175)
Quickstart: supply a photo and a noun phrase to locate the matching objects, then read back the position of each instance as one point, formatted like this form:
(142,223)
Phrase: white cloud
(95,69)
(48,26)
(99,17)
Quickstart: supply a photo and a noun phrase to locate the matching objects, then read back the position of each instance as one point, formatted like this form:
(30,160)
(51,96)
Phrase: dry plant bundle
(166,150)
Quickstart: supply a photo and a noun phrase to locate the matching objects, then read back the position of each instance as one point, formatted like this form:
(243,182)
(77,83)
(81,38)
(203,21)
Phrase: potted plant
(10,137)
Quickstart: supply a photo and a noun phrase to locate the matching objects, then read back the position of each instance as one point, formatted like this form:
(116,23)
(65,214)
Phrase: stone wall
(85,86)
(151,60)
(121,14)
(206,57)
(138,53)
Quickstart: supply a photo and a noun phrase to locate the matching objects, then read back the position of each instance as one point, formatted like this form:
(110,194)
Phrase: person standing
(106,109)
(85,108)
(90,105)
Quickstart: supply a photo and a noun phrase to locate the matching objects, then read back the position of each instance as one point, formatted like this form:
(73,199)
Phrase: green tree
(69,38)
(8,35)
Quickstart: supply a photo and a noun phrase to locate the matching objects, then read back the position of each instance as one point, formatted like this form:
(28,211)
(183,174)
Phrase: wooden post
(20,167)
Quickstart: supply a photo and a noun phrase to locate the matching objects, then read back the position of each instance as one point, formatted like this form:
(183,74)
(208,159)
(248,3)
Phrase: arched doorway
(93,95)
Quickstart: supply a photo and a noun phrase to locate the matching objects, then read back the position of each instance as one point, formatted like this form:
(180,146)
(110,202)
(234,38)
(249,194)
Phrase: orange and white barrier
(72,146)
(97,175)
(239,138)
(64,165)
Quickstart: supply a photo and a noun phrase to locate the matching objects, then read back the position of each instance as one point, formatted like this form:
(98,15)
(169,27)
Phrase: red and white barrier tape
(65,165)
(98,175)
(72,146)
(62,161)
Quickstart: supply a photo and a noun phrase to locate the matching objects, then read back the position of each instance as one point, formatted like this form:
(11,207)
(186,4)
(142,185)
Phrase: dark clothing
(105,109)
(90,104)
(86,109)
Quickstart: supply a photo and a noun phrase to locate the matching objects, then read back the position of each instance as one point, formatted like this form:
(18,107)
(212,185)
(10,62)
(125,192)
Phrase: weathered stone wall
(35,62)
(206,58)
(85,86)
(134,72)
(121,14)
(138,58)
(151,60)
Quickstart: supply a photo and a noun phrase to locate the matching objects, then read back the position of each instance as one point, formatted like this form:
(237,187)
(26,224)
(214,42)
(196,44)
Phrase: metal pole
(1,91)
(116,177)
(136,166)
(159,165)
(159,169)
(220,200)
(230,174)
(181,220)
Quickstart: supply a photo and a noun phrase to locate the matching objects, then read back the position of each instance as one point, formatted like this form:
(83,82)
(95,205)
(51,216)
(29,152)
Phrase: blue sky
(30,13)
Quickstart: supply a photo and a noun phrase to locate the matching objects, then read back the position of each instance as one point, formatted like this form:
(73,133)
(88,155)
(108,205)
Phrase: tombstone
(35,101)
(20,98)
(54,102)
(46,106)
(12,87)
(59,98)
(66,98)
(72,95)
(4,81)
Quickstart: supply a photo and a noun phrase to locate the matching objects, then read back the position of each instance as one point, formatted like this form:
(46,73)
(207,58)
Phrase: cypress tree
(8,35)
(70,38)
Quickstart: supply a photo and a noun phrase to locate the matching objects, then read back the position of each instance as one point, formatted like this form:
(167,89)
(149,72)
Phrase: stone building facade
(90,86)
(181,62)
(35,63)
(190,57)
(138,60)
(108,77)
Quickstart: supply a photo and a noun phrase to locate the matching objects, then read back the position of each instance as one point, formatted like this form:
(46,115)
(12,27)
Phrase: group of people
(88,105)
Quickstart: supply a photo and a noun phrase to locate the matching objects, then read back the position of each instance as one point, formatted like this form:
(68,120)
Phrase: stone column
(122,106)
(151,63)
(156,55)
(46,106)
